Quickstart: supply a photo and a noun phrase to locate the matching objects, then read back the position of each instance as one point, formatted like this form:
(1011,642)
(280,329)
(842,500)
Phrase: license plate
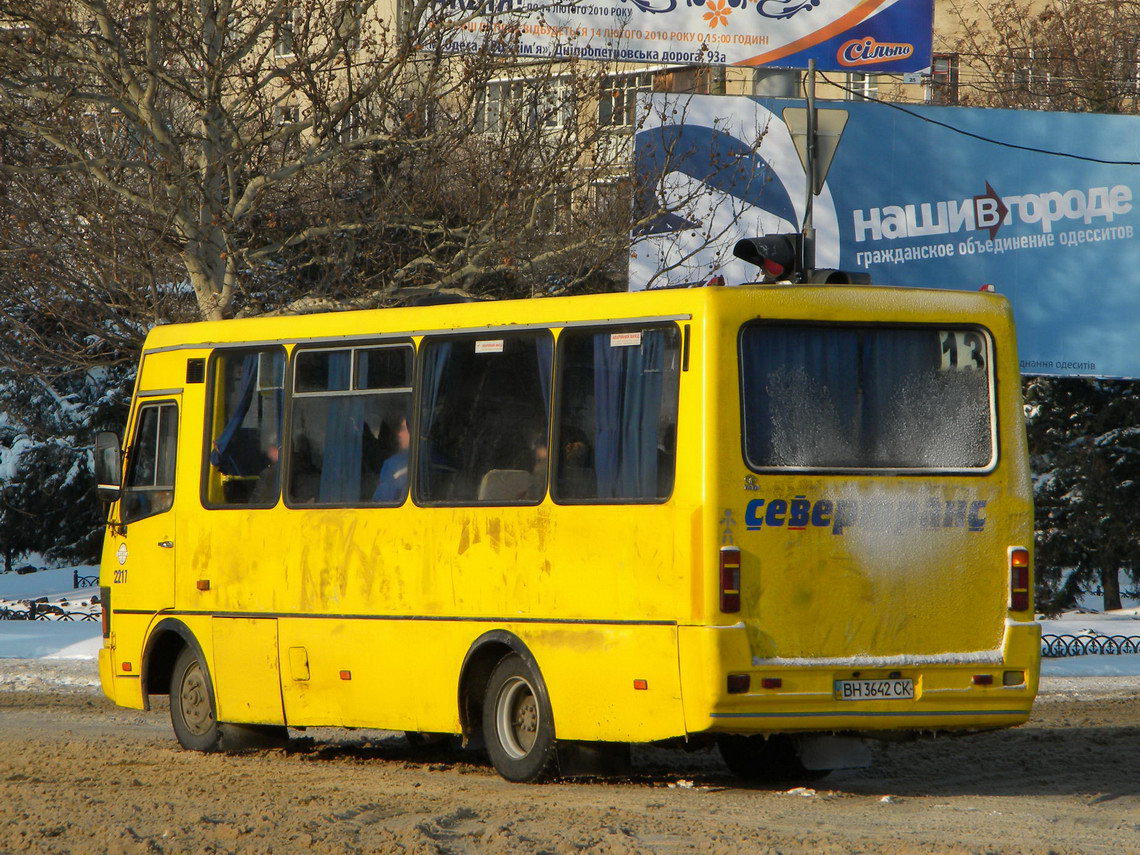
(874,690)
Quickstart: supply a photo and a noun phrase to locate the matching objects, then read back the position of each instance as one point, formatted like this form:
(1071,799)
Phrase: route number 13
(962,350)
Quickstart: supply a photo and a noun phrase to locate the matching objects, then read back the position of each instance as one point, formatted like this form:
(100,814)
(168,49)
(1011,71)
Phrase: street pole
(808,261)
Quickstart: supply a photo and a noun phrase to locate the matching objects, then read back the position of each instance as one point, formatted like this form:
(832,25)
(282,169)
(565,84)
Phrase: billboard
(841,35)
(914,202)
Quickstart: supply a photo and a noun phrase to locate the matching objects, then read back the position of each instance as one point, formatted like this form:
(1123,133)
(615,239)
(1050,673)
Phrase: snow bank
(49,639)
(1091,666)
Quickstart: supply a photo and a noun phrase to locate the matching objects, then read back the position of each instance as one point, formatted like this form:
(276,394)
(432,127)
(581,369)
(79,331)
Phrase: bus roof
(825,303)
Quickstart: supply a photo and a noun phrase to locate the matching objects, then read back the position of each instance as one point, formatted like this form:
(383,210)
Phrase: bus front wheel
(192,704)
(193,714)
(518,725)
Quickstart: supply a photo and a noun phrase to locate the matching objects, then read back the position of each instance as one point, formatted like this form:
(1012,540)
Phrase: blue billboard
(1040,206)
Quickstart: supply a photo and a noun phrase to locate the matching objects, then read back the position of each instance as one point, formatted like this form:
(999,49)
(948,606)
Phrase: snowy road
(77,775)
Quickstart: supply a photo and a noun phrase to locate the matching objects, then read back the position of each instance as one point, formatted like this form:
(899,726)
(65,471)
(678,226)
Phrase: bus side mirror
(108,466)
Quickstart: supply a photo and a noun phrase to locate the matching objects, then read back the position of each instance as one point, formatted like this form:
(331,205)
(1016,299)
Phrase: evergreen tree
(1084,440)
(47,492)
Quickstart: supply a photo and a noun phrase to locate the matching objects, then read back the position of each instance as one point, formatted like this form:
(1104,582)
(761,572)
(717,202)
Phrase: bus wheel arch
(165,643)
(485,653)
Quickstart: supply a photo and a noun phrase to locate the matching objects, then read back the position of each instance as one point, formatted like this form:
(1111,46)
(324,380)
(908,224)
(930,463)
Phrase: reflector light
(203,584)
(1012,678)
(346,675)
(771,682)
(729,579)
(1018,579)
(983,679)
(738,684)
(641,685)
(127,666)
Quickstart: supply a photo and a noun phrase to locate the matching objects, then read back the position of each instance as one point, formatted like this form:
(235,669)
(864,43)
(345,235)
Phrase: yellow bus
(784,518)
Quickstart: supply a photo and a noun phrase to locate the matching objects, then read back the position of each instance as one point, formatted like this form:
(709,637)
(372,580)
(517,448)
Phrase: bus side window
(150,480)
(349,439)
(617,423)
(245,437)
(485,419)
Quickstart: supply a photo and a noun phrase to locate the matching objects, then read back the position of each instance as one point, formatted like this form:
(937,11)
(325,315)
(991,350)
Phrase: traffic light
(780,256)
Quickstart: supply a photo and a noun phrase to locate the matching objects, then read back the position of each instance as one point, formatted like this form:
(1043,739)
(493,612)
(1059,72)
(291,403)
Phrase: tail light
(729,579)
(105,605)
(1018,579)
(739,684)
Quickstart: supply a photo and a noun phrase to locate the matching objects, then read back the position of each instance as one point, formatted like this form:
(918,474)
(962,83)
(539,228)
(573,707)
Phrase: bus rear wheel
(193,714)
(765,760)
(518,725)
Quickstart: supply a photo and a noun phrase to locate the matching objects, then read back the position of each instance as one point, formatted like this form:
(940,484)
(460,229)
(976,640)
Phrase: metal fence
(1060,646)
(44,612)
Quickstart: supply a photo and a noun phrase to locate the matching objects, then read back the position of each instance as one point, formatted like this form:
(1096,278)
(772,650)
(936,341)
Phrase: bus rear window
(859,398)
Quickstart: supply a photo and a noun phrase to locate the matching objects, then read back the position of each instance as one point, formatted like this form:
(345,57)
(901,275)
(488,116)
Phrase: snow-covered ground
(50,639)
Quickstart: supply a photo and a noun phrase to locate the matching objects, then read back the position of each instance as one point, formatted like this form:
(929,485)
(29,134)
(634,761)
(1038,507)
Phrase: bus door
(143,541)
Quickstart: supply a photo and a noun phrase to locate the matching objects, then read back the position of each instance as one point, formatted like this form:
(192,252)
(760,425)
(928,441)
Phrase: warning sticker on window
(489,346)
(625,339)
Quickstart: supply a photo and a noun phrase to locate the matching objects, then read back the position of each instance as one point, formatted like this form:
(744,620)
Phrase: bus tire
(193,713)
(765,760)
(518,723)
(192,708)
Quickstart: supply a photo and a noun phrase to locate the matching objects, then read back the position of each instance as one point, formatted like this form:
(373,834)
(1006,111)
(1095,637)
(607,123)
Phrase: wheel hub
(195,701)
(517,717)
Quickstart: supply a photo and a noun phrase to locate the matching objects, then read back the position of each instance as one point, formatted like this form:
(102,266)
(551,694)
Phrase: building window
(862,86)
(943,86)
(548,103)
(283,33)
(617,106)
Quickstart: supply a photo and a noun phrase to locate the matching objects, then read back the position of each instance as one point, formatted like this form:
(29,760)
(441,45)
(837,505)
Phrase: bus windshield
(866,397)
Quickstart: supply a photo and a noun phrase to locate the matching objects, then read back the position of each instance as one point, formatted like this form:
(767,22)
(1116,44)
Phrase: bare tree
(1053,55)
(287,156)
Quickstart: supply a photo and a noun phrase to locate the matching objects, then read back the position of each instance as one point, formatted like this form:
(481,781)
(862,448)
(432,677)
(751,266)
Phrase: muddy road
(78,775)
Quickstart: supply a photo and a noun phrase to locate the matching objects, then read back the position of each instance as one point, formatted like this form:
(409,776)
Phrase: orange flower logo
(718,13)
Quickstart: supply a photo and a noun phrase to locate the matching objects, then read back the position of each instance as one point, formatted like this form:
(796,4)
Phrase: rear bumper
(945,695)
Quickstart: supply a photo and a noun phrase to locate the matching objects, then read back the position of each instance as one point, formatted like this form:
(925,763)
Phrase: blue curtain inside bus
(230,457)
(627,407)
(344,436)
(436,355)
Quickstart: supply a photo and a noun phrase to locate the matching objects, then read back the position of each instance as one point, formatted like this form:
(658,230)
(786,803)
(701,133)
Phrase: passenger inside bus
(393,484)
